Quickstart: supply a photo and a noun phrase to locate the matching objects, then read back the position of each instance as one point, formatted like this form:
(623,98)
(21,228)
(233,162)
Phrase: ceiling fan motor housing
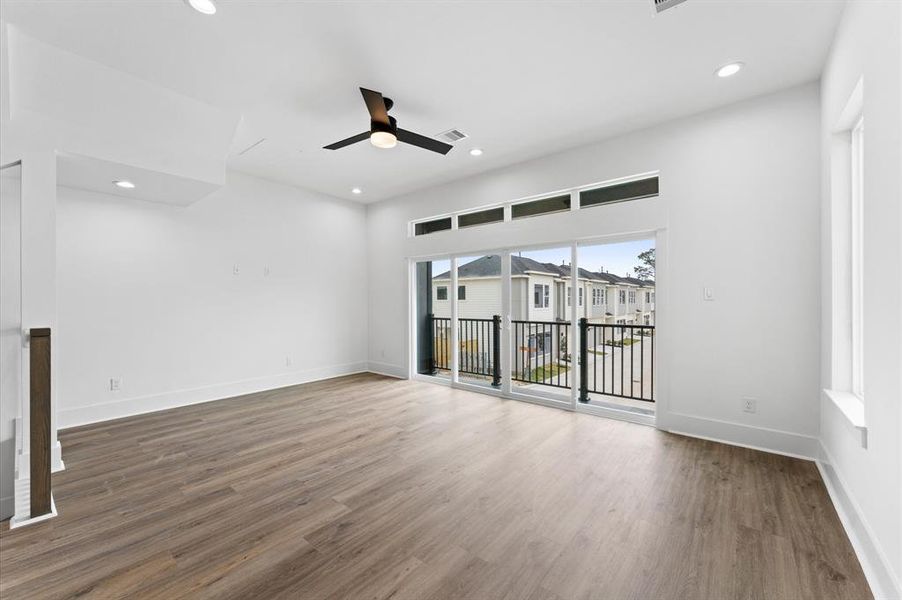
(391,127)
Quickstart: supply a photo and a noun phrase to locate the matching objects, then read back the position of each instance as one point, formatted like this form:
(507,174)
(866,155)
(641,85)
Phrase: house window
(632,190)
(580,296)
(427,227)
(491,215)
(541,207)
(461,292)
(632,297)
(648,296)
(847,259)
(622,296)
(441,293)
(857,198)
(652,296)
(540,296)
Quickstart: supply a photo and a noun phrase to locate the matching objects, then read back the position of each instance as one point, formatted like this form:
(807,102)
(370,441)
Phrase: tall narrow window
(540,296)
(857,198)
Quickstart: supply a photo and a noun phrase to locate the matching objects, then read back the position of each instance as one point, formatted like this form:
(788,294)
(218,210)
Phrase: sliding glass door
(557,324)
(479,311)
(541,337)
(432,322)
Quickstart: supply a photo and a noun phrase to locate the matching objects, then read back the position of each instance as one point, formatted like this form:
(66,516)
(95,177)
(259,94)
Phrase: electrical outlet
(708,294)
(115,384)
(749,405)
(287,361)
(235,270)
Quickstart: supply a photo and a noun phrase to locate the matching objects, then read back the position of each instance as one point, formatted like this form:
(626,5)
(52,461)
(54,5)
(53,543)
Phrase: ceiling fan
(384,131)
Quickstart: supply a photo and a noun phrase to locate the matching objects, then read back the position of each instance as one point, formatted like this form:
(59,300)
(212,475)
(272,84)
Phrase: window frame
(540,295)
(856,197)
(439,290)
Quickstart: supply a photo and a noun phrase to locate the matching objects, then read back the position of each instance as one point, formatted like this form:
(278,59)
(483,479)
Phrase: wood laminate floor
(370,487)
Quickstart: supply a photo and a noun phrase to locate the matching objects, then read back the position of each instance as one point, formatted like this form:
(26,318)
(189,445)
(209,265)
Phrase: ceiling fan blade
(375,103)
(415,139)
(347,142)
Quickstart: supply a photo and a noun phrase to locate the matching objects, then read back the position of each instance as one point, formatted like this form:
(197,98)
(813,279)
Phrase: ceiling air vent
(451,136)
(662,5)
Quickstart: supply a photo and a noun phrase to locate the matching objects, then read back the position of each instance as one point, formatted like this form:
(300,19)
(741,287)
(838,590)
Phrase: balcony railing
(540,354)
(616,360)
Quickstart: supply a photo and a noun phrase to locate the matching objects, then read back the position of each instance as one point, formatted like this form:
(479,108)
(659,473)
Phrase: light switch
(708,293)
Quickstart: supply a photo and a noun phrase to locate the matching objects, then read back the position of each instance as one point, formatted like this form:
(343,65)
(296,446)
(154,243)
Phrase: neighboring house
(540,302)
(541,292)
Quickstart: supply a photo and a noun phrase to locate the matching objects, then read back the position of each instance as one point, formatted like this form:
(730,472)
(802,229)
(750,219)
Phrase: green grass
(598,352)
(547,372)
(619,343)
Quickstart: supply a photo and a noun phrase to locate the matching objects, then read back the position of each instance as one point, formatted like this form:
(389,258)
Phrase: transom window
(621,190)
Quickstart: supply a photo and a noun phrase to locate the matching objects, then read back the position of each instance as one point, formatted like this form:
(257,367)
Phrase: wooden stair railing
(39,464)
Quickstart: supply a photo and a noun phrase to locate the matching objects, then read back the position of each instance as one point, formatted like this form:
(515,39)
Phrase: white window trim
(857,284)
(846,386)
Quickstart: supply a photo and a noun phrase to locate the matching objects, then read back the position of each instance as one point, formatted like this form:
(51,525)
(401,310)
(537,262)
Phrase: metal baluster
(622,354)
(653,336)
(642,333)
(632,362)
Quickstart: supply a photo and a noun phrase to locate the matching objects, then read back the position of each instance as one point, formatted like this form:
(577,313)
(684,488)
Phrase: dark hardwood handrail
(39,464)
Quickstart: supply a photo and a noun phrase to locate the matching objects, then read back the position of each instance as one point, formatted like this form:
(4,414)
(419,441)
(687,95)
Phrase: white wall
(733,181)
(147,293)
(869,480)
(10,328)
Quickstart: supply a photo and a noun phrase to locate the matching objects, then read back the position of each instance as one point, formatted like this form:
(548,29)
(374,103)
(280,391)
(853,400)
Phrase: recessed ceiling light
(203,6)
(356,191)
(476,152)
(729,69)
(124,184)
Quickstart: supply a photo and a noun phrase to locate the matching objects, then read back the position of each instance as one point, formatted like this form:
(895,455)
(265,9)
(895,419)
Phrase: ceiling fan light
(205,7)
(383,139)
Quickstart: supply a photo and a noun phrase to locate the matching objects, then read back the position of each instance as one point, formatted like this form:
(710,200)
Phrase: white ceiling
(523,79)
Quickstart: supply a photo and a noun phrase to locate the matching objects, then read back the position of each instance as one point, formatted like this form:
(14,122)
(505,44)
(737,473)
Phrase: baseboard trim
(795,445)
(387,369)
(873,561)
(15,523)
(7,507)
(129,407)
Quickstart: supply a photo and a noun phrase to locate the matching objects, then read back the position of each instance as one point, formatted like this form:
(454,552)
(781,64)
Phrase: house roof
(490,266)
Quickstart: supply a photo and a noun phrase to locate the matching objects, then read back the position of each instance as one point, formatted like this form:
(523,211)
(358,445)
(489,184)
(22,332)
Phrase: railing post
(584,360)
(39,407)
(430,343)
(496,350)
